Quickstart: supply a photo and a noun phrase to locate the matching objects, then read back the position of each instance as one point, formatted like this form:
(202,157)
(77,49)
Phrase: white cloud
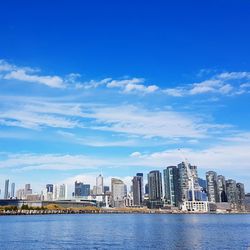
(27,74)
(5,66)
(92,84)
(22,75)
(32,120)
(95,141)
(50,162)
(126,119)
(132,85)
(149,123)
(227,83)
(225,158)
(234,75)
(211,86)
(176,92)
(135,154)
(245,85)
(124,82)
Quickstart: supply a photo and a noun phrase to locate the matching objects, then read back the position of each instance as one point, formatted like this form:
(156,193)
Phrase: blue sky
(118,87)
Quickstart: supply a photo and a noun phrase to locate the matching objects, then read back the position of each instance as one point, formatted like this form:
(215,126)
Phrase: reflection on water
(127,231)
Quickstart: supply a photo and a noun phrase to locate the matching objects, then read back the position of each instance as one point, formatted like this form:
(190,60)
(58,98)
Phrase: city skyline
(180,188)
(170,179)
(110,90)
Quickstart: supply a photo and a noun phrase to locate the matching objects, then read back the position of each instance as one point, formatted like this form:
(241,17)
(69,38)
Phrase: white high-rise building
(60,192)
(118,190)
(6,189)
(20,194)
(99,184)
(12,192)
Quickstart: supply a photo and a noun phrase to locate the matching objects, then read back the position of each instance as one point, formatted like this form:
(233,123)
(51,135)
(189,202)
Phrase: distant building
(6,189)
(20,194)
(184,184)
(155,185)
(170,176)
(137,189)
(203,184)
(146,189)
(155,190)
(128,200)
(247,202)
(78,189)
(86,189)
(240,196)
(60,192)
(49,188)
(99,184)
(33,197)
(212,193)
(81,189)
(118,191)
(12,191)
(231,192)
(105,189)
(221,188)
(27,190)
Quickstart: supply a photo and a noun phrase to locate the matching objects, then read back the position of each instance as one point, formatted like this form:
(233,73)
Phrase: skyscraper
(118,190)
(62,192)
(184,192)
(231,192)
(203,184)
(49,188)
(12,192)
(99,184)
(27,190)
(81,189)
(212,191)
(240,195)
(78,189)
(146,189)
(105,189)
(6,189)
(155,185)
(221,188)
(86,189)
(137,189)
(170,176)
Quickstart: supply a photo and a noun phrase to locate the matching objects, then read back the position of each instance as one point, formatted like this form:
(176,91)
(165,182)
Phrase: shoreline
(54,212)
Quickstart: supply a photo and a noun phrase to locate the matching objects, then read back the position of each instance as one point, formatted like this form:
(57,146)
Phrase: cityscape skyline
(110,89)
(168,179)
(180,188)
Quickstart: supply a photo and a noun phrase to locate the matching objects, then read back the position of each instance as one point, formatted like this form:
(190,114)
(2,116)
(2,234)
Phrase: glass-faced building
(170,176)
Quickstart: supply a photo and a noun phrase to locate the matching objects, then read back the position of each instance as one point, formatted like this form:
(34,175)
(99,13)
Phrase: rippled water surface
(125,231)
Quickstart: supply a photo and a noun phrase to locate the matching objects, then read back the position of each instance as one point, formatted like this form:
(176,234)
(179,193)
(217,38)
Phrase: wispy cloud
(30,75)
(220,157)
(128,86)
(95,141)
(26,74)
(23,75)
(31,120)
(62,162)
(227,83)
(125,119)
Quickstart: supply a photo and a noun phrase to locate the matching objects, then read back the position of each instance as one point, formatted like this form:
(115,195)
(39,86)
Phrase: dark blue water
(126,231)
